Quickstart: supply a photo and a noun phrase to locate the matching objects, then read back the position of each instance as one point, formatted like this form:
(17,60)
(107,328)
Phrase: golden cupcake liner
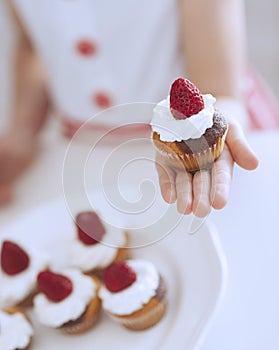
(144,318)
(192,161)
(88,319)
(149,315)
(83,324)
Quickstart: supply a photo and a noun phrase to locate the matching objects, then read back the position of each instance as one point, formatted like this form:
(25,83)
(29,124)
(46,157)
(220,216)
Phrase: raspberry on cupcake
(16,330)
(187,130)
(96,244)
(134,294)
(19,268)
(68,300)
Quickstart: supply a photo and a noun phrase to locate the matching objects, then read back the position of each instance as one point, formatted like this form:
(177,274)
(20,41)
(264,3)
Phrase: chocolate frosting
(208,139)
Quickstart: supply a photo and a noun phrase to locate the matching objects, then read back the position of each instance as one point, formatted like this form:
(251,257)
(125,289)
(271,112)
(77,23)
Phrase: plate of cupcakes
(102,273)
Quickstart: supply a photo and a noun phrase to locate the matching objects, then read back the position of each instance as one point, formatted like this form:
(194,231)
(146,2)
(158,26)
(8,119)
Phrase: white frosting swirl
(138,294)
(171,129)
(55,314)
(99,255)
(17,287)
(15,331)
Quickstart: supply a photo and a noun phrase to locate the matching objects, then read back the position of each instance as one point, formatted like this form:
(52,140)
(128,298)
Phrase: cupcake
(19,268)
(67,301)
(187,130)
(16,330)
(134,294)
(96,245)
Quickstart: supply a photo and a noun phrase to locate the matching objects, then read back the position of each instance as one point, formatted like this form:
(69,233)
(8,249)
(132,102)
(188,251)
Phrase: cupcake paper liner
(88,319)
(192,161)
(149,315)
(145,318)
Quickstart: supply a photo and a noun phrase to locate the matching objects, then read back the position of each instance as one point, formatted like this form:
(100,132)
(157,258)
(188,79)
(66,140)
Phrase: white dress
(101,53)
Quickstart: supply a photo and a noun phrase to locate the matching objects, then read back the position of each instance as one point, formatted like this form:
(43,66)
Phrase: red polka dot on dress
(86,47)
(102,100)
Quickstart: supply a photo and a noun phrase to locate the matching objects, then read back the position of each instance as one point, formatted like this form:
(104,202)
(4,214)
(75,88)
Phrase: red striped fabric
(70,126)
(261,103)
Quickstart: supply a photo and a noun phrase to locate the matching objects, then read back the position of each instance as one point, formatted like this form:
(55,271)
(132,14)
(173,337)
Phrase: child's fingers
(184,192)
(221,179)
(201,191)
(166,181)
(240,149)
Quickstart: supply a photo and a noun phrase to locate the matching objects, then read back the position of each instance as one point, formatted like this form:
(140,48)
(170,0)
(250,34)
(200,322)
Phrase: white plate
(193,266)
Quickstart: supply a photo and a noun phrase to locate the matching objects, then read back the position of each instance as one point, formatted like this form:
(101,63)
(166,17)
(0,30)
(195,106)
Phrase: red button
(102,100)
(86,47)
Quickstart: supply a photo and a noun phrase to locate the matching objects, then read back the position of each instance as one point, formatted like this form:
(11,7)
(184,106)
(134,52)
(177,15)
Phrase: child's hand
(17,149)
(205,189)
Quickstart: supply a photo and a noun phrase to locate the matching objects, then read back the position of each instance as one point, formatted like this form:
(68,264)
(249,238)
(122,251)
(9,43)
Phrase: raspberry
(185,99)
(56,287)
(118,276)
(90,228)
(13,258)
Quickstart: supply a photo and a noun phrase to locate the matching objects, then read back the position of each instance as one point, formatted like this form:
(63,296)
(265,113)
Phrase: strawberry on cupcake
(96,244)
(134,294)
(187,130)
(68,300)
(19,268)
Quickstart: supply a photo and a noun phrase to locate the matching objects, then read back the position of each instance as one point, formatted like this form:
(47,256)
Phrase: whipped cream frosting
(15,331)
(16,288)
(55,314)
(171,129)
(99,255)
(135,296)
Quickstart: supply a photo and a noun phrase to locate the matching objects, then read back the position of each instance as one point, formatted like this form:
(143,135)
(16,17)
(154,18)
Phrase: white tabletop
(249,317)
(248,230)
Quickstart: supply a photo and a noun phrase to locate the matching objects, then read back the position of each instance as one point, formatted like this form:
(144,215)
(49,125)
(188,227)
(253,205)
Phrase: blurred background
(262,34)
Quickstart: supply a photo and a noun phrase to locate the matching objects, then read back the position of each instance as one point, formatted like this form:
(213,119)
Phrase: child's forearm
(213,38)
(30,103)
